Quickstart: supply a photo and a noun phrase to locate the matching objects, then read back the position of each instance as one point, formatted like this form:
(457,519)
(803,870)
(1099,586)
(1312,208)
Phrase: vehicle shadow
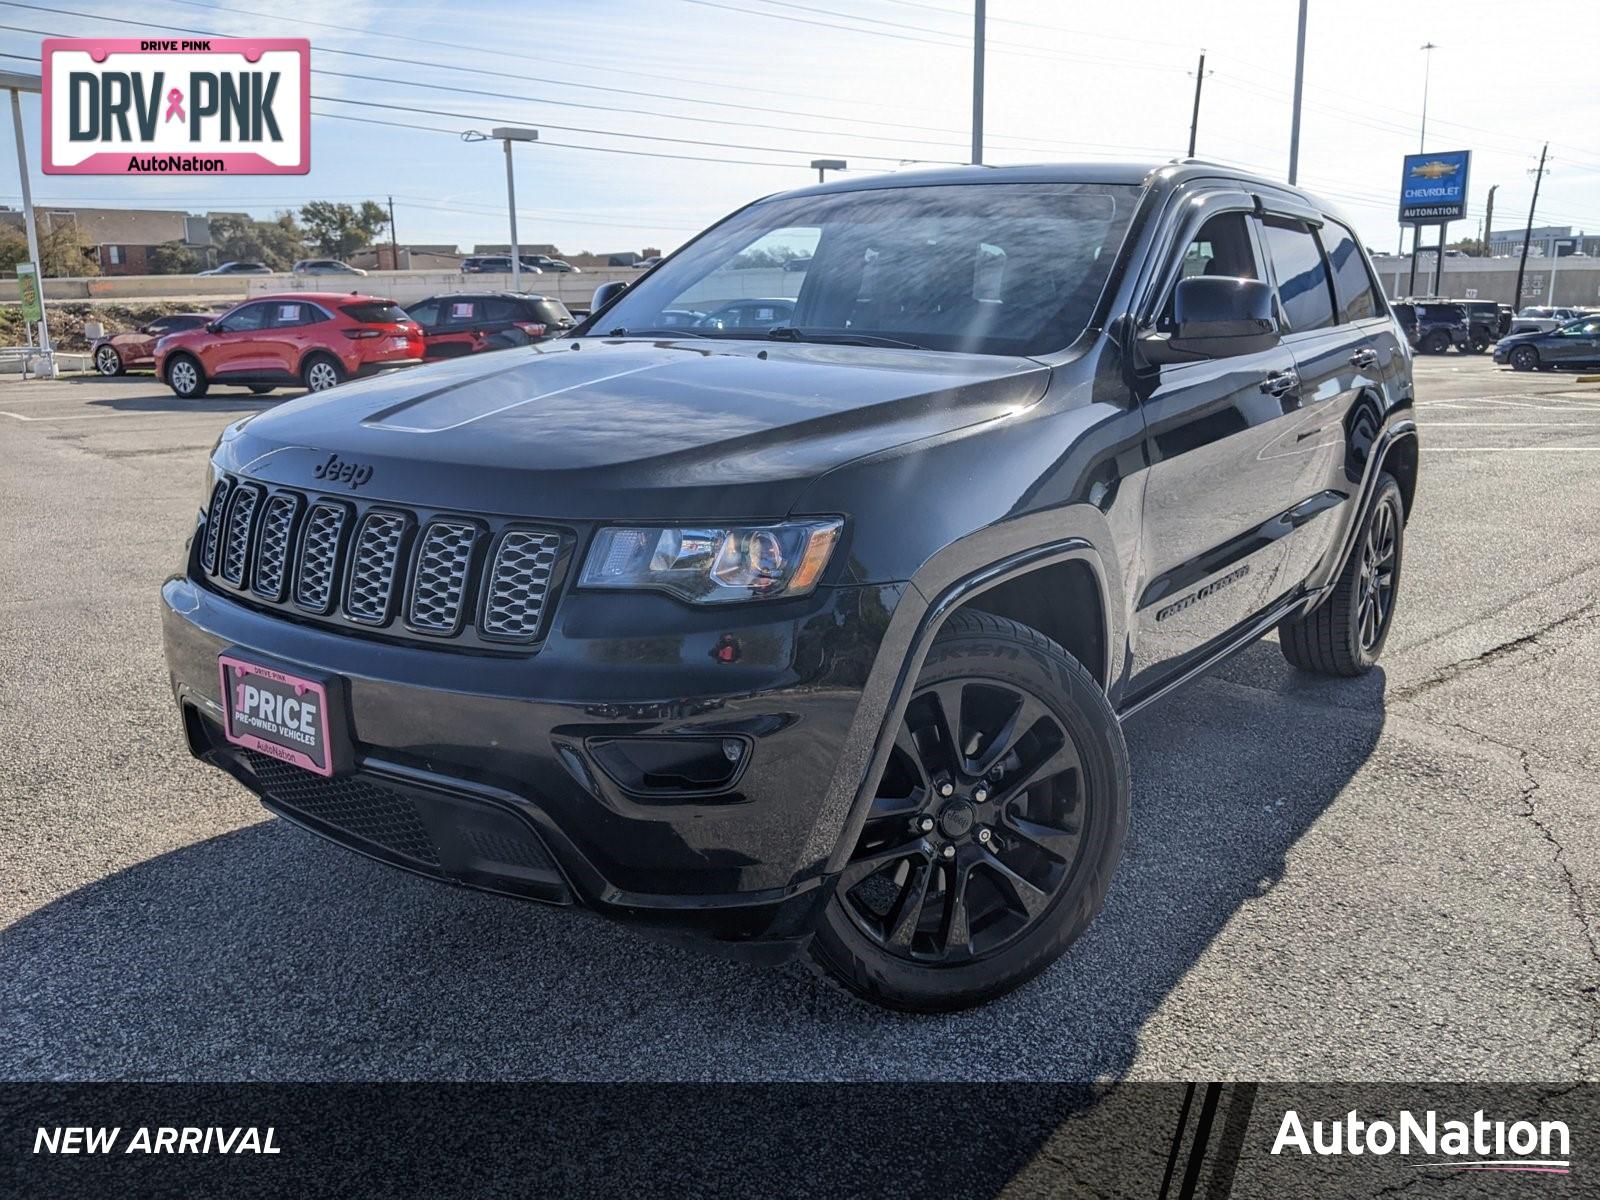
(224,401)
(266,953)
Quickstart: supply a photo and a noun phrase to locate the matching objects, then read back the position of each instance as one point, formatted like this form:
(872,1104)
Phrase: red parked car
(118,352)
(315,340)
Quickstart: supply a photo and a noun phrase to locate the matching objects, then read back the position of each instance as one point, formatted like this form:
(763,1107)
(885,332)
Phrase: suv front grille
(418,575)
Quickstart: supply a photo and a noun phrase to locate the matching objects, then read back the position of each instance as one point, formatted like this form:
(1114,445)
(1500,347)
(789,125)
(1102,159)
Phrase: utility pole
(394,238)
(1194,121)
(1299,88)
(1527,233)
(977,81)
(1488,224)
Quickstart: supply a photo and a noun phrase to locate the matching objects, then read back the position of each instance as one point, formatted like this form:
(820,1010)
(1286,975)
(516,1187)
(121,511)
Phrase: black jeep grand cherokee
(817,638)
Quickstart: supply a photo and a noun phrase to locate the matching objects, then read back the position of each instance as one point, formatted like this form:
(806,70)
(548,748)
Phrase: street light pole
(1422,145)
(823,165)
(17,83)
(511,207)
(509,134)
(1299,88)
(977,81)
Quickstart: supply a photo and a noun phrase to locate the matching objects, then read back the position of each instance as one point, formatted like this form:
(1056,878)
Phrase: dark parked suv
(817,638)
(1434,326)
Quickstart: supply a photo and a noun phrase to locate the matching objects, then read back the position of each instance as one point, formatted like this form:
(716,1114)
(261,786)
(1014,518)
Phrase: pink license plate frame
(242,670)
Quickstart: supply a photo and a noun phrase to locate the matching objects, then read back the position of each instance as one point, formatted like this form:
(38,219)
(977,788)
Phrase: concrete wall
(1577,281)
(401,286)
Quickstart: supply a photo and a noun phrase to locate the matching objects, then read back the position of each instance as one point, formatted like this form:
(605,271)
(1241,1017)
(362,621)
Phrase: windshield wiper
(788,333)
(621,331)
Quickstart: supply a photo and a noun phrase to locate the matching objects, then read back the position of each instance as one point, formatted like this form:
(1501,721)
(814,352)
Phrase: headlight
(713,565)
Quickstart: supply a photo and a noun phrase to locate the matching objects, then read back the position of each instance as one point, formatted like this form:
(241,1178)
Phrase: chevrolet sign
(1433,187)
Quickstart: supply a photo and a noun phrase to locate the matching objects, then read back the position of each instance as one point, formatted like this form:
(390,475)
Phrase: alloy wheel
(1377,577)
(977,825)
(320,376)
(184,377)
(107,361)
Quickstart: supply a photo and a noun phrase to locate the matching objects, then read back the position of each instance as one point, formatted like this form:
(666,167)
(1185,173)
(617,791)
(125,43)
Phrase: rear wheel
(321,372)
(107,361)
(1345,633)
(1436,342)
(1480,343)
(994,832)
(186,378)
(1524,358)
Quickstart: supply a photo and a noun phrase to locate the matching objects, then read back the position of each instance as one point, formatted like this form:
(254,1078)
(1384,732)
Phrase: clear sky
(763,86)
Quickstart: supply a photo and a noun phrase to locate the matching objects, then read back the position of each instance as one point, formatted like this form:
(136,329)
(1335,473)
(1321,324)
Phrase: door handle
(1280,382)
(1364,358)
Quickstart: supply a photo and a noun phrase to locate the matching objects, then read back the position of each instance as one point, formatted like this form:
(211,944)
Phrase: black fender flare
(1401,427)
(948,580)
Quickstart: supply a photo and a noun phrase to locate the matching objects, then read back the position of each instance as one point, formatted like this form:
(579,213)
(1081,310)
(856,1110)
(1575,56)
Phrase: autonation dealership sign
(177,106)
(1433,187)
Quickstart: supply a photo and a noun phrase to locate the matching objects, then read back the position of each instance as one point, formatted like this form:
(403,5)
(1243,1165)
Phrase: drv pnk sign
(1433,187)
(177,106)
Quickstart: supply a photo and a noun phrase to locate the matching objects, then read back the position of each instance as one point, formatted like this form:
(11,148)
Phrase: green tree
(277,242)
(13,248)
(63,251)
(173,258)
(339,230)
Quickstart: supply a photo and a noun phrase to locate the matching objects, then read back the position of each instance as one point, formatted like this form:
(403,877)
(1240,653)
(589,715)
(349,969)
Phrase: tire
(107,361)
(1479,344)
(321,372)
(1524,358)
(1034,823)
(260,389)
(187,378)
(1436,342)
(1343,636)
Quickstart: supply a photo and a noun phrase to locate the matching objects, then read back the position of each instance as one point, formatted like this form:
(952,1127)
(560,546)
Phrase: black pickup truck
(817,638)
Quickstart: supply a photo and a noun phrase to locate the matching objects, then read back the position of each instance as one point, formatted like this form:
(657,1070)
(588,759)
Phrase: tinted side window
(251,316)
(424,313)
(1351,281)
(1302,275)
(1219,247)
(501,308)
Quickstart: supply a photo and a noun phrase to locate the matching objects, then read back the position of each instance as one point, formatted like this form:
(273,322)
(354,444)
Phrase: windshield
(979,268)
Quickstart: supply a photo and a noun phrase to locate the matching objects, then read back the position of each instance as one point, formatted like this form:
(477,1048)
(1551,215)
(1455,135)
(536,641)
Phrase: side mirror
(1215,317)
(213,326)
(606,293)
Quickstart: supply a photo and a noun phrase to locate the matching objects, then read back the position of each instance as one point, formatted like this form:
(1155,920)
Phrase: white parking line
(1511,449)
(79,417)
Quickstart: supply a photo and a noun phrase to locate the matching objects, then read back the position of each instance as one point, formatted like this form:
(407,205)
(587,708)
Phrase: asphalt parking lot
(1389,879)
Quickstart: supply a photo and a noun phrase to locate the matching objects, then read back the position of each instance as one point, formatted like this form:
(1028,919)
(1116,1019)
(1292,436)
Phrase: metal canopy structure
(16,83)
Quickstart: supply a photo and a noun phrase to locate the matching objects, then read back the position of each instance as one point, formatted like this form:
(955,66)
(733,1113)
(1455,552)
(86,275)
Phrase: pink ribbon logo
(175,105)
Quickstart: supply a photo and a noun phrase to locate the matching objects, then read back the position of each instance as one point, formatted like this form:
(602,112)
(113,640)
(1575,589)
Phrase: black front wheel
(1436,342)
(1524,358)
(994,832)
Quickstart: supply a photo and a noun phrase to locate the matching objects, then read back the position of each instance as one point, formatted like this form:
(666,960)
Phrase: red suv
(314,340)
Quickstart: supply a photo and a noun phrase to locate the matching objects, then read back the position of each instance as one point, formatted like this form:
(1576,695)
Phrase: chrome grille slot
(373,566)
(212,534)
(240,526)
(272,545)
(439,583)
(519,583)
(319,556)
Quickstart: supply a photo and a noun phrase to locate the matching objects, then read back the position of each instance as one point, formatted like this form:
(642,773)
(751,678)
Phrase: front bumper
(481,769)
